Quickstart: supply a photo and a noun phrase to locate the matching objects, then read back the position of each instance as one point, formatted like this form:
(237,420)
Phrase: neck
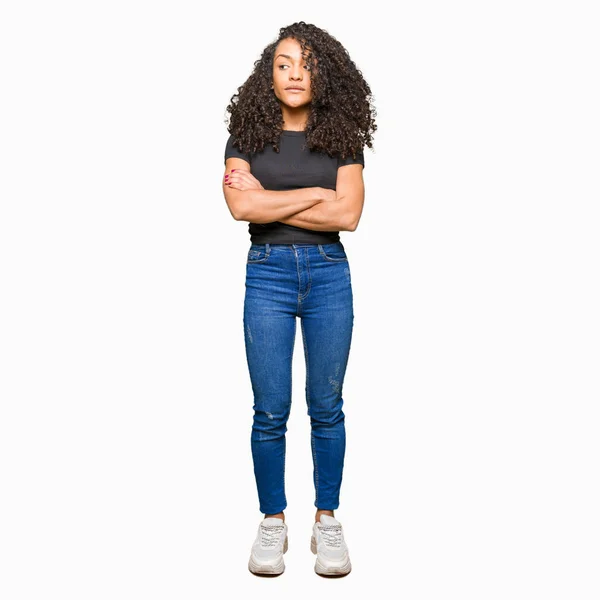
(294,119)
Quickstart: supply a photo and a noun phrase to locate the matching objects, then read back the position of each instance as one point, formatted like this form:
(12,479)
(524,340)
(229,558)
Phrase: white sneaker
(327,542)
(271,543)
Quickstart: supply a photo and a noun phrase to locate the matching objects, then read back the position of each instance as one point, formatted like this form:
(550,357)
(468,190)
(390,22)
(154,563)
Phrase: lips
(297,89)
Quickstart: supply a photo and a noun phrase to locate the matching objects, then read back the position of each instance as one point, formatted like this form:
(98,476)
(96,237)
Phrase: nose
(295,73)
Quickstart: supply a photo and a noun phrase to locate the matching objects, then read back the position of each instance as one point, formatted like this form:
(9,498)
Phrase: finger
(234,181)
(242,179)
(229,177)
(250,180)
(241,175)
(239,179)
(236,173)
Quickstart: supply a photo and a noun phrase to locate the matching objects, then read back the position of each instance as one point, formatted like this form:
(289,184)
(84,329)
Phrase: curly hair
(341,118)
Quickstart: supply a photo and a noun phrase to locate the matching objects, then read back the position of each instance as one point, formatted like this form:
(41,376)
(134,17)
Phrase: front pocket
(333,253)
(258,255)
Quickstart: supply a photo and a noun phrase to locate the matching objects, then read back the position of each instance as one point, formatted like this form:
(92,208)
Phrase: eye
(306,66)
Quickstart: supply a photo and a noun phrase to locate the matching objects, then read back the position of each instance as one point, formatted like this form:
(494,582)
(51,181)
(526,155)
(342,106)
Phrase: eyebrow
(286,56)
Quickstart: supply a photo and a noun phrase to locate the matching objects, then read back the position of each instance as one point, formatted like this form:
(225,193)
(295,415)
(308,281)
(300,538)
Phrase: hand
(241,179)
(329,195)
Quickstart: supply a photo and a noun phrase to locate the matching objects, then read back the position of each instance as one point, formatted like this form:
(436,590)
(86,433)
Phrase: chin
(296,101)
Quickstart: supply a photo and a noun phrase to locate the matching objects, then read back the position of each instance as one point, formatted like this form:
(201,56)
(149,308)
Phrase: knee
(326,416)
(272,424)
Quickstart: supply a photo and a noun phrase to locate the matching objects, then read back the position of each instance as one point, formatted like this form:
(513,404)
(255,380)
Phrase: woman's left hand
(241,179)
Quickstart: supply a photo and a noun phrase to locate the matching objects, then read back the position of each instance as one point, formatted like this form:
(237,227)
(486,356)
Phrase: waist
(282,233)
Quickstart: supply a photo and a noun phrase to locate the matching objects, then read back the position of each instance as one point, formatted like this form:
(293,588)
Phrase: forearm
(267,206)
(325,216)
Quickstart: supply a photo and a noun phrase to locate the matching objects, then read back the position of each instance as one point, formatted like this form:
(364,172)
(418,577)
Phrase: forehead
(291,48)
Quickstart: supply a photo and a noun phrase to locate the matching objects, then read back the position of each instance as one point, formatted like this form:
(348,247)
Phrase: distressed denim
(312,282)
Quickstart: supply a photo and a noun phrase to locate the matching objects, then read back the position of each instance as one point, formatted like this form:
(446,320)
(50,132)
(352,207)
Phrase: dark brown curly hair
(341,119)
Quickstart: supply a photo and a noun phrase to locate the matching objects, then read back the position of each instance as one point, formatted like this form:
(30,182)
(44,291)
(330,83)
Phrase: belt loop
(267,249)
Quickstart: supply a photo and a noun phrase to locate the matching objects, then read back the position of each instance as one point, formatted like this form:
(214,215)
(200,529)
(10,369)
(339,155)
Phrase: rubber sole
(331,570)
(258,568)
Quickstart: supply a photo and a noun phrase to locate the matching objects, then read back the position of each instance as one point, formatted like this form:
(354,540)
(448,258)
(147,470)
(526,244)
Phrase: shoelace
(270,535)
(332,535)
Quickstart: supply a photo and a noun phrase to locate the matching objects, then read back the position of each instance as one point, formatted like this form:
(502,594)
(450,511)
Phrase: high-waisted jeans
(285,281)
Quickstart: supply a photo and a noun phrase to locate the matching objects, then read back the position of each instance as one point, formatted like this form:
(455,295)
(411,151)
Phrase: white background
(471,396)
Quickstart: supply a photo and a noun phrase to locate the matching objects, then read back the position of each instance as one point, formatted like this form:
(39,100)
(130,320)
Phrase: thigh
(327,323)
(327,338)
(269,331)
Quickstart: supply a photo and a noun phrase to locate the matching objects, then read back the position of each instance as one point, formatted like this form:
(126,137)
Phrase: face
(290,70)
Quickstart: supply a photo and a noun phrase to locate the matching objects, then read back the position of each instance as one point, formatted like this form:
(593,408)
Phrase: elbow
(237,214)
(351,223)
(237,208)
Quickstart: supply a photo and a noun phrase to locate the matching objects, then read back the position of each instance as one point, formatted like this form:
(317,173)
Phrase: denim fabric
(312,282)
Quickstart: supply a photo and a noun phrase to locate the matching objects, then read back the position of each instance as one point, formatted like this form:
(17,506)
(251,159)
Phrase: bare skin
(317,515)
(290,69)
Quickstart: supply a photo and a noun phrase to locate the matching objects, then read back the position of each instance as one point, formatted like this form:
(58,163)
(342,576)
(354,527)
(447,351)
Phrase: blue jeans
(285,281)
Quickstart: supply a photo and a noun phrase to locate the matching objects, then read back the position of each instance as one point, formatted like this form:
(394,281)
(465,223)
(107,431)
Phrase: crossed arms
(315,208)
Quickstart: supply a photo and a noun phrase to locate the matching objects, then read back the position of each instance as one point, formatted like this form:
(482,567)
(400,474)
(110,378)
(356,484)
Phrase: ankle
(320,512)
(279,515)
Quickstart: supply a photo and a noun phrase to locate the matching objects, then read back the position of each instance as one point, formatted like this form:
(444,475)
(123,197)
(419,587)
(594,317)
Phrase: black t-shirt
(294,167)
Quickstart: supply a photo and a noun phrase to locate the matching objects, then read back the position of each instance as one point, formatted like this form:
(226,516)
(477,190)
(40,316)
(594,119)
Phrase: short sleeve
(232,152)
(359,160)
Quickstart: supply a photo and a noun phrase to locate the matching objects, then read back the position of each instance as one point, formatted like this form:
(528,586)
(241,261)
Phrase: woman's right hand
(328,195)
(242,179)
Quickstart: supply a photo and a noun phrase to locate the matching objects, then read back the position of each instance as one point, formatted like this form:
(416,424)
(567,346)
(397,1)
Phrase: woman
(294,164)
